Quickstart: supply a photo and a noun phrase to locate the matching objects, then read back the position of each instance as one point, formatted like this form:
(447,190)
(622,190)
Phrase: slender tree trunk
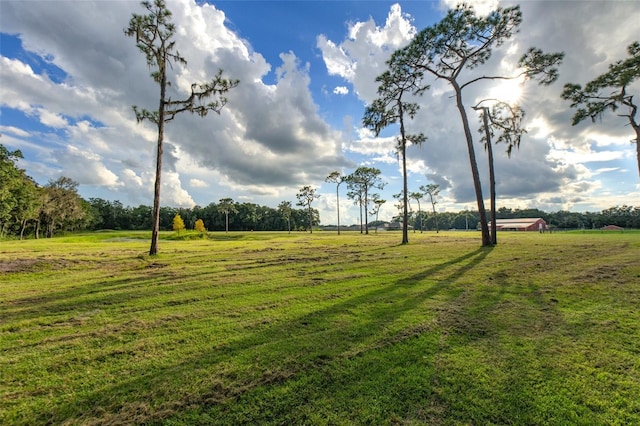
(22,227)
(338,206)
(636,127)
(377,219)
(405,201)
(156,189)
(638,151)
(484,227)
(366,210)
(310,220)
(360,203)
(492,177)
(226,222)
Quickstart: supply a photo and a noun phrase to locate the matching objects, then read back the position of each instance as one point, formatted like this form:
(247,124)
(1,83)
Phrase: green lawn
(321,329)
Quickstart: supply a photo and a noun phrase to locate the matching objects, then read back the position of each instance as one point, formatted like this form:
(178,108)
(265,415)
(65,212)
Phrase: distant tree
(463,40)
(285,210)
(199,226)
(227,206)
(609,92)
(154,35)
(306,196)
(27,209)
(402,208)
(362,180)
(417,196)
(432,190)
(337,178)
(141,217)
(377,204)
(356,194)
(463,220)
(391,107)
(61,207)
(178,223)
(19,196)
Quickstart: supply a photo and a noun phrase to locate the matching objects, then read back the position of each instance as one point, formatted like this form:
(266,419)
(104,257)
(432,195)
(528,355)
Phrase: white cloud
(197,183)
(173,193)
(340,90)
(14,131)
(51,119)
(361,57)
(85,167)
(482,7)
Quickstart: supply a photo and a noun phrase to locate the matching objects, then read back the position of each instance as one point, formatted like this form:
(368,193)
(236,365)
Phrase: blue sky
(69,76)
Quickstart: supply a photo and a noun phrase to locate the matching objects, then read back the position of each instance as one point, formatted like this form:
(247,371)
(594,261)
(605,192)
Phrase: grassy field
(321,329)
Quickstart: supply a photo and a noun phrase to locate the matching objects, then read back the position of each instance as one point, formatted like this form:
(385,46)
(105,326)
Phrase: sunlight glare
(509,91)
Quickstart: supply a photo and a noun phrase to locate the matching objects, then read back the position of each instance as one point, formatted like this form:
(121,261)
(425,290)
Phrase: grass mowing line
(327,330)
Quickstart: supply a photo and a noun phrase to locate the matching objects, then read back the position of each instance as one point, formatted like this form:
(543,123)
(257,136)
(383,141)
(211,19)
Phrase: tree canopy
(609,92)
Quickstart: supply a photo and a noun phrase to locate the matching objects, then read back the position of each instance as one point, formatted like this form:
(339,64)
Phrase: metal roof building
(520,224)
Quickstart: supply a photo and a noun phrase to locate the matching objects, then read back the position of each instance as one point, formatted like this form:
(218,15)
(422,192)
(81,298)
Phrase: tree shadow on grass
(271,354)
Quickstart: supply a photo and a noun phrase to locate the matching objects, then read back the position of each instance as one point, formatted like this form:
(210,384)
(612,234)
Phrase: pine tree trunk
(405,201)
(338,206)
(366,210)
(492,177)
(156,191)
(484,226)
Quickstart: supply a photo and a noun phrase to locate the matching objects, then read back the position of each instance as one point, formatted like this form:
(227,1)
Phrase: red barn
(521,224)
(612,228)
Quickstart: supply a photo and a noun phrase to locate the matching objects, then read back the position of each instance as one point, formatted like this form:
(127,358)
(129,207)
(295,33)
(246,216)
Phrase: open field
(272,328)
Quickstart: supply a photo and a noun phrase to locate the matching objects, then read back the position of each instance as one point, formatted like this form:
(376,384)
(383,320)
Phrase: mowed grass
(321,329)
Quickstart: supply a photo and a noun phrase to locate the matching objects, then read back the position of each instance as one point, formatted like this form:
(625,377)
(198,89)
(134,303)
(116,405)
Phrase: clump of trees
(360,184)
(27,208)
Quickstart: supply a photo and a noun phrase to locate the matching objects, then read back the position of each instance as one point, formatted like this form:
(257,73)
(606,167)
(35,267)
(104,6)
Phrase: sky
(69,77)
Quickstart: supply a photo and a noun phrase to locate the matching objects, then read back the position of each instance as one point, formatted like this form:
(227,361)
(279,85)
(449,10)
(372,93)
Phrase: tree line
(226,215)
(30,210)
(624,216)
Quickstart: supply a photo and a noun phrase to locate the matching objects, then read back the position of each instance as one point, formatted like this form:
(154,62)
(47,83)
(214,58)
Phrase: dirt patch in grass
(34,265)
(601,273)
